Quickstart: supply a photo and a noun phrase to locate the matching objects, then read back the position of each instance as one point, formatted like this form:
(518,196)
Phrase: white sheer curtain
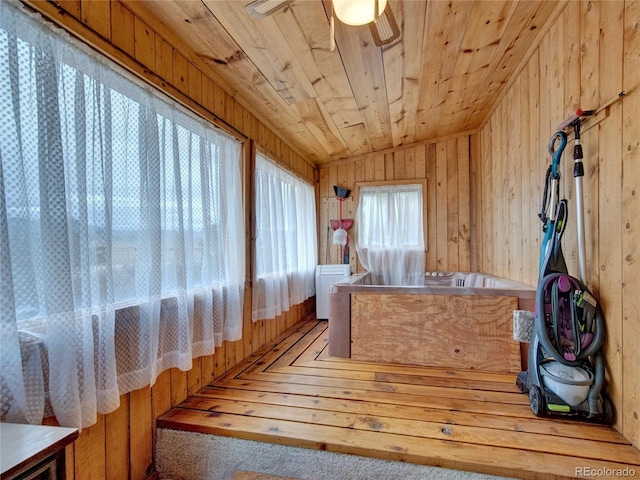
(286,240)
(121,235)
(390,237)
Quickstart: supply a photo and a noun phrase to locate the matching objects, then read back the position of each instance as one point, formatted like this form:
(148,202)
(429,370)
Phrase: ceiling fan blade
(385,29)
(264,8)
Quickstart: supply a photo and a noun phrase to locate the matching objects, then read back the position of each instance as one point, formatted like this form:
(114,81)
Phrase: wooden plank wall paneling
(591,53)
(121,444)
(447,168)
(629,331)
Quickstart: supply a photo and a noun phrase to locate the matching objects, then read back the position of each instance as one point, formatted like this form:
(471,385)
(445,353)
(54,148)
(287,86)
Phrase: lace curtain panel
(121,231)
(390,237)
(286,240)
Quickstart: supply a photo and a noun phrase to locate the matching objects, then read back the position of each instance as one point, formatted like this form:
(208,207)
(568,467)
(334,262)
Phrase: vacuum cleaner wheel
(536,401)
(607,410)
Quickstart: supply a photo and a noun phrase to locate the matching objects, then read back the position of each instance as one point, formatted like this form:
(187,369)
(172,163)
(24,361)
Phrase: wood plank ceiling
(440,78)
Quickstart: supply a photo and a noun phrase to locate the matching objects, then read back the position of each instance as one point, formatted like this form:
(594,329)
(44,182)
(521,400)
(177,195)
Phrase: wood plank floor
(293,393)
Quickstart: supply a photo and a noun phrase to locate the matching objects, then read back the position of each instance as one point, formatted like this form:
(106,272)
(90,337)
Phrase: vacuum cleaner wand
(574,121)
(578,173)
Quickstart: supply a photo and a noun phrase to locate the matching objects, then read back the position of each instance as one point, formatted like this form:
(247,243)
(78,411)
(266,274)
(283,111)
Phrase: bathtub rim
(353,284)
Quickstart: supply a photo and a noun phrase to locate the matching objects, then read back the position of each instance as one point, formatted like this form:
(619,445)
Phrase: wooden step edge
(438,426)
(429,428)
(442,453)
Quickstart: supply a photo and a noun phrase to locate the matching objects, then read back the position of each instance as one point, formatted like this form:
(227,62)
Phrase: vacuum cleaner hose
(596,388)
(541,328)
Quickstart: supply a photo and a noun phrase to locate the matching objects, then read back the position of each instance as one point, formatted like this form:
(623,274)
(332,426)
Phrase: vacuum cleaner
(566,369)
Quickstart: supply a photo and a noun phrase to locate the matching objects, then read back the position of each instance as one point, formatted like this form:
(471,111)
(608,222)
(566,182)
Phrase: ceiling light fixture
(358,12)
(264,8)
(376,13)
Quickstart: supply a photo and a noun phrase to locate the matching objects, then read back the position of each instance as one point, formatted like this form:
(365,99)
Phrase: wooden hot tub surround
(464,321)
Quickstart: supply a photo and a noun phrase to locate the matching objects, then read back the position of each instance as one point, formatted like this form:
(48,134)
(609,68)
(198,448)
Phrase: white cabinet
(327,275)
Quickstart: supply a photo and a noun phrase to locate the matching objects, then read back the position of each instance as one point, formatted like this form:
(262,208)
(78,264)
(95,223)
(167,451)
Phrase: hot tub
(456,320)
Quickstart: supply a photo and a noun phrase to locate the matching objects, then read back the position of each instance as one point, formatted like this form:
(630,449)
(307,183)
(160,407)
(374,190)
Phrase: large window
(285,240)
(390,240)
(121,232)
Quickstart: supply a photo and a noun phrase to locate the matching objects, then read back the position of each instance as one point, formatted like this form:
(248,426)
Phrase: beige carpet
(184,455)
(242,475)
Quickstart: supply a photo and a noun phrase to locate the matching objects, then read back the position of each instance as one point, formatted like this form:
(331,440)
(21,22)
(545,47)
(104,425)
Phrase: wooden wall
(445,165)
(588,55)
(120,445)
